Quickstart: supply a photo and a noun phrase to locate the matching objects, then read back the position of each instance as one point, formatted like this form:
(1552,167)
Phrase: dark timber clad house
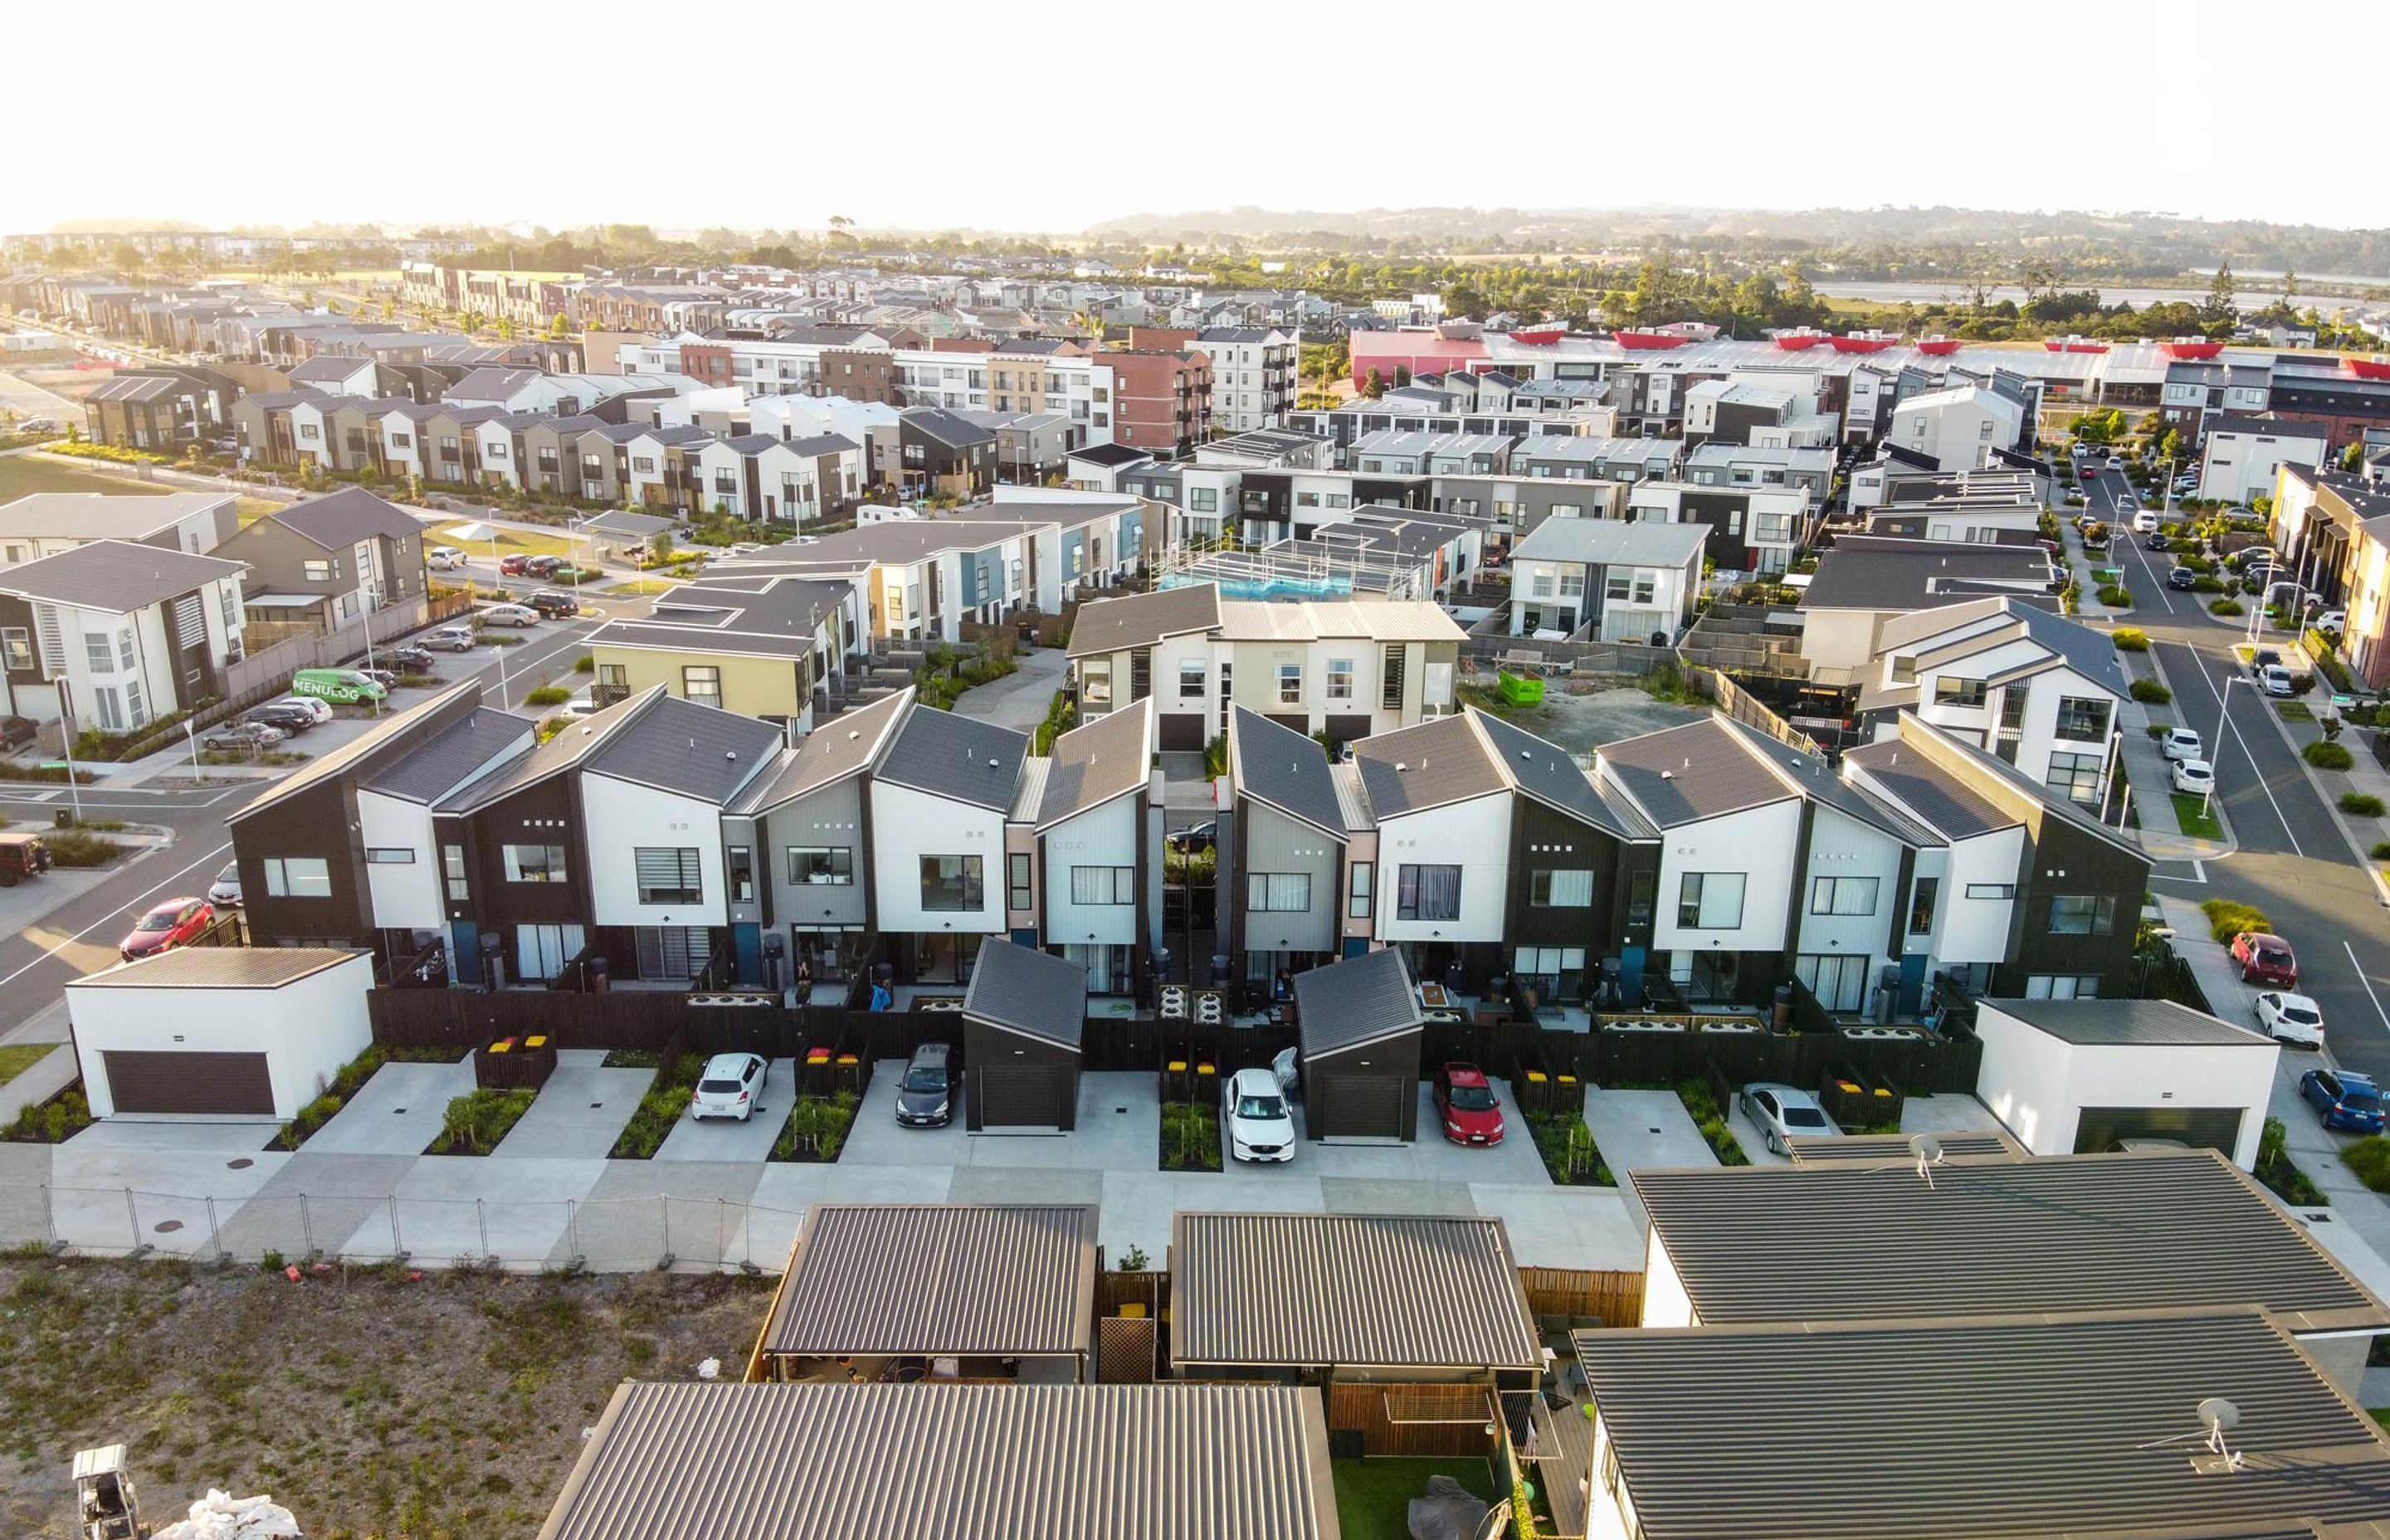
(1361,1030)
(1023,1017)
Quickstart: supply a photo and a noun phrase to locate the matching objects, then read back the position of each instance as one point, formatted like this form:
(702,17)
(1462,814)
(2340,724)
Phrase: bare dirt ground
(374,1405)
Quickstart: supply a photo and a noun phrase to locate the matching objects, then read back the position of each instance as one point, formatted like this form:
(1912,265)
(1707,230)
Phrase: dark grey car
(925,1097)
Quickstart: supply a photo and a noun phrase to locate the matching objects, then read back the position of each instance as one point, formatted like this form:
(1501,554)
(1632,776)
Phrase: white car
(2292,1018)
(2145,521)
(2275,680)
(732,1086)
(1783,1113)
(2334,621)
(321,710)
(2194,775)
(580,705)
(447,559)
(1254,1111)
(225,894)
(2180,743)
(518,615)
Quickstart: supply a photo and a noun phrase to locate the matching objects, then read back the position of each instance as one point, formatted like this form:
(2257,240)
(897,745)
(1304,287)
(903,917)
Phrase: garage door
(1022,1096)
(217,1082)
(1363,1107)
(2200,1127)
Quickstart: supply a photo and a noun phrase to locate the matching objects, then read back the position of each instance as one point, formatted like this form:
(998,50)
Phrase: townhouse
(940,796)
(1748,529)
(112,635)
(158,408)
(944,454)
(1296,855)
(1614,581)
(1866,582)
(2333,530)
(44,524)
(2244,455)
(1088,816)
(1959,426)
(1396,453)
(333,559)
(775,648)
(1721,464)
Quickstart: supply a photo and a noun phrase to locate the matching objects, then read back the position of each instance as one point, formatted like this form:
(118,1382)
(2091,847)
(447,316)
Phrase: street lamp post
(192,739)
(2223,700)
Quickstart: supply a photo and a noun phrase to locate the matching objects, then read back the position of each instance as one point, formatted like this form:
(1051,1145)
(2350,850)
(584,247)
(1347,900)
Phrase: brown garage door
(1181,732)
(1363,1107)
(219,1083)
(1022,1096)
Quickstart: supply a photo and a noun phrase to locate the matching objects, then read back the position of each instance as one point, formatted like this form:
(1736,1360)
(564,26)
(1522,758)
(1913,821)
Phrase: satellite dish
(1925,1147)
(2218,1416)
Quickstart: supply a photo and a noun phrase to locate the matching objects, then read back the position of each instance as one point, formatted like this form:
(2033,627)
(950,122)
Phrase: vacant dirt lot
(447,1406)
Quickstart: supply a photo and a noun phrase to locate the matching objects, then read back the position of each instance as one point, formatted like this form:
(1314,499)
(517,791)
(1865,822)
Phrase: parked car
(2193,776)
(732,1086)
(1254,1111)
(2158,541)
(2292,1018)
(514,566)
(2333,620)
(38,425)
(553,604)
(407,656)
(176,922)
(580,705)
(445,558)
(1465,1106)
(318,709)
(540,566)
(925,1098)
(2276,680)
(242,737)
(2343,1100)
(21,855)
(516,615)
(224,893)
(289,719)
(2181,743)
(382,676)
(2265,959)
(2145,521)
(452,638)
(2262,660)
(1783,1113)
(1194,840)
(2181,579)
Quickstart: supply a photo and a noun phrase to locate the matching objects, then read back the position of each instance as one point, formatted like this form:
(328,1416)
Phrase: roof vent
(992,764)
(851,734)
(1400,767)
(1667,775)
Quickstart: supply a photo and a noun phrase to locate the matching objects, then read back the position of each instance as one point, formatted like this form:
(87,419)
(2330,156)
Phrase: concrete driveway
(1120,1129)
(399,1111)
(580,1112)
(720,1140)
(1429,1159)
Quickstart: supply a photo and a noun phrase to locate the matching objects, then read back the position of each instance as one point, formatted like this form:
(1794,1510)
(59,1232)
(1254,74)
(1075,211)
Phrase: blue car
(2346,1100)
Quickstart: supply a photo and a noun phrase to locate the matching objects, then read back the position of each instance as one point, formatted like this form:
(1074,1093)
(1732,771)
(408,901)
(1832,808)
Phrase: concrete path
(46,1076)
(1020,700)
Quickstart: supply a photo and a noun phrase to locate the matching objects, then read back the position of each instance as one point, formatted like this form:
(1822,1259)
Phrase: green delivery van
(336,684)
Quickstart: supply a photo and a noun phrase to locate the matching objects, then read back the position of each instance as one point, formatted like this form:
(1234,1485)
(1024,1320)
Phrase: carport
(1360,1028)
(1022,1018)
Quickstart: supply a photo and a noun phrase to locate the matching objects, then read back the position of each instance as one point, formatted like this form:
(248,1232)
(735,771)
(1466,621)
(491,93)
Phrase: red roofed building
(1417,352)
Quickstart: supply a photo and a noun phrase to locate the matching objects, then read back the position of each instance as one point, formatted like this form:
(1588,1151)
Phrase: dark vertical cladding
(314,825)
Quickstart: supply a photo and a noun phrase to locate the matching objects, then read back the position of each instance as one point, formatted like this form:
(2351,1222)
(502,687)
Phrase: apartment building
(770,646)
(1958,427)
(332,560)
(1253,372)
(1749,529)
(1161,401)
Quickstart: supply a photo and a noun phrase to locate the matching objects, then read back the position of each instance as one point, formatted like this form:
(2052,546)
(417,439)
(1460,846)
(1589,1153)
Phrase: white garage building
(225,1031)
(2077,1076)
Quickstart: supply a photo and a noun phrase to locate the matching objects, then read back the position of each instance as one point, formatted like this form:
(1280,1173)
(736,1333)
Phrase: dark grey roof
(959,758)
(945,427)
(688,750)
(2031,1428)
(452,756)
(1932,794)
(2154,1023)
(978,1279)
(751,443)
(1868,571)
(1356,1001)
(1429,765)
(1989,1237)
(734,608)
(340,520)
(1029,991)
(385,743)
(115,576)
(690,1461)
(1349,1290)
(822,444)
(1551,776)
(2281,428)
(1091,766)
(1141,619)
(578,742)
(226,967)
(2002,783)
(1286,769)
(1885,1149)
(1819,782)
(1703,769)
(833,750)
(637,526)
(1110,454)
(1997,620)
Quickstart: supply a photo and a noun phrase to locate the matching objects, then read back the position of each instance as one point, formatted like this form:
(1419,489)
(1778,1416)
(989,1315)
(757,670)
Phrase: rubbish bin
(1780,1017)
(62,818)
(598,975)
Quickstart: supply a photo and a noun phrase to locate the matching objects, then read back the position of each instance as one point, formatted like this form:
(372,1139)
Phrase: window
(1540,586)
(742,875)
(2061,987)
(1364,881)
(1560,890)
(821,867)
(1277,893)
(298,876)
(1710,901)
(1191,679)
(1340,678)
(310,432)
(643,465)
(701,683)
(452,867)
(1921,897)
(1016,870)
(1202,500)
(125,651)
(2082,915)
(1843,895)
(534,863)
(1991,890)
(1957,692)
(98,653)
(2080,721)
(1290,683)
(1104,884)
(950,883)
(1096,682)
(667,874)
(1426,892)
(16,648)
(1391,698)
(389,856)
(315,572)
(495,450)
(2077,775)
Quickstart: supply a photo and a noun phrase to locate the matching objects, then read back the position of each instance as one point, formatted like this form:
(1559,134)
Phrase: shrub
(50,1121)
(2207,586)
(17,770)
(74,847)
(2360,804)
(586,663)
(2226,607)
(816,1127)
(548,695)
(2129,640)
(2274,1168)
(659,1109)
(1701,1104)
(2370,1158)
(2115,596)
(2328,756)
(2150,693)
(2227,918)
(476,1122)
(2381,850)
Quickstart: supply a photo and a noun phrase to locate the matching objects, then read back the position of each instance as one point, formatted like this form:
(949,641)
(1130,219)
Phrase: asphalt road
(28,400)
(2293,861)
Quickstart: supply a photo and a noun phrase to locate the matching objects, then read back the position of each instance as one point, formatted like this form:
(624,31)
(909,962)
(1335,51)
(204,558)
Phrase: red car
(176,922)
(1466,1107)
(514,566)
(2265,959)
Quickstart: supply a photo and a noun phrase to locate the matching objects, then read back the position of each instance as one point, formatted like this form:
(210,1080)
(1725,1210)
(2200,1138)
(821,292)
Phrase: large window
(821,866)
(1340,678)
(1957,692)
(1391,697)
(16,645)
(298,876)
(1277,893)
(98,653)
(1104,885)
(668,874)
(2082,915)
(2077,775)
(1426,892)
(2061,987)
(701,683)
(1710,901)
(1290,683)
(1560,890)
(534,863)
(1921,899)
(1843,895)
(1365,878)
(2081,720)
(1096,682)
(951,883)
(1190,679)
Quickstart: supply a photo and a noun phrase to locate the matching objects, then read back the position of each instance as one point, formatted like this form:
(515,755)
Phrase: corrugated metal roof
(986,1280)
(960,758)
(1023,989)
(1356,1000)
(1090,765)
(1426,766)
(2153,1024)
(959,1462)
(1286,769)
(1141,619)
(1348,1289)
(226,967)
(1987,1237)
(1887,1148)
(1983,1430)
(838,747)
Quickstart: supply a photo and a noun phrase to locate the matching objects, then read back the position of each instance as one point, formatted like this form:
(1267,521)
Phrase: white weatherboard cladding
(1105,836)
(1758,842)
(907,824)
(2039,1084)
(1976,929)
(403,893)
(1664,1300)
(1842,847)
(623,818)
(306,1029)
(1475,836)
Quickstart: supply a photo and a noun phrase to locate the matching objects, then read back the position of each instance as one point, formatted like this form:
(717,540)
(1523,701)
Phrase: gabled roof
(387,743)
(1613,542)
(1551,776)
(688,750)
(572,747)
(100,515)
(340,520)
(452,757)
(115,576)
(921,1279)
(1285,769)
(946,428)
(1429,765)
(1995,621)
(1389,1291)
(1020,989)
(844,745)
(1927,791)
(2003,784)
(1109,758)
(1141,619)
(1703,769)
(959,758)
(1356,1001)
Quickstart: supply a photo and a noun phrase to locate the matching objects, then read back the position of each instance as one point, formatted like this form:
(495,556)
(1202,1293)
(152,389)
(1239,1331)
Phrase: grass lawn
(510,542)
(2198,825)
(2381,1414)
(18,1057)
(1373,1496)
(21,475)
(646,586)
(249,510)
(2294,711)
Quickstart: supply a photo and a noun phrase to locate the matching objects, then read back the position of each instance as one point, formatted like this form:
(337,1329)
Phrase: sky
(1049,116)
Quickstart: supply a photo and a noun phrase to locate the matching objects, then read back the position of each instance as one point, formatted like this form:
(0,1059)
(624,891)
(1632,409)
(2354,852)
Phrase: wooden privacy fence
(1611,1298)
(1439,1420)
